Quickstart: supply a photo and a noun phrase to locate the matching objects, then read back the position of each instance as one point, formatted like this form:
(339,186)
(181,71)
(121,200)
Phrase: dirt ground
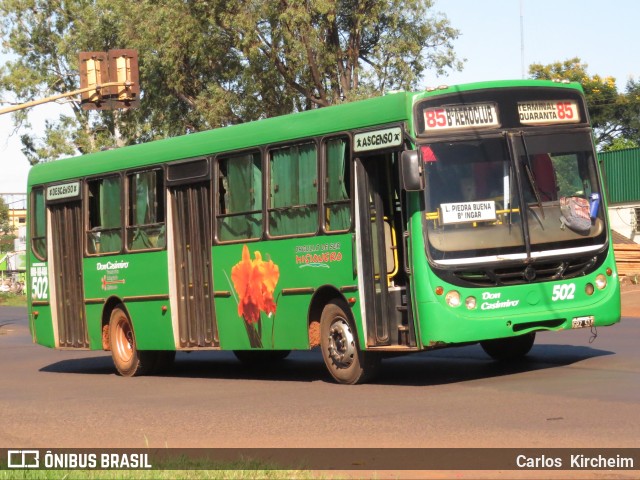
(630,299)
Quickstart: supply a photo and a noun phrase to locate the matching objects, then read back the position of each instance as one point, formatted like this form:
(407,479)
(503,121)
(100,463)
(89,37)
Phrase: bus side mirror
(411,171)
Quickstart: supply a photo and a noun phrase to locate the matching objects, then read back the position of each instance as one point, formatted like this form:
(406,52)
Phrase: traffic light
(123,69)
(94,72)
(112,79)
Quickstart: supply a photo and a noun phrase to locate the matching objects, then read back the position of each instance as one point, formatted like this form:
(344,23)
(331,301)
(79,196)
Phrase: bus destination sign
(468,212)
(460,117)
(66,190)
(548,112)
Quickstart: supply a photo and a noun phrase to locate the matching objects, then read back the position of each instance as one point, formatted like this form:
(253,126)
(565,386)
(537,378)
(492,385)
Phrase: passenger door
(190,259)
(65,240)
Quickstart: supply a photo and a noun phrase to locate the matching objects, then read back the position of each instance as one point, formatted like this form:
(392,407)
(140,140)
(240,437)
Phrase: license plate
(582,322)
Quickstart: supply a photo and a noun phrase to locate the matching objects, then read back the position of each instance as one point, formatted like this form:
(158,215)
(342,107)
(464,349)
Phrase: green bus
(404,223)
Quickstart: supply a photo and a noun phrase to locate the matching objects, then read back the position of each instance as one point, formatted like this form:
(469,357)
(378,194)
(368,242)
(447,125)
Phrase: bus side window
(38,224)
(293,190)
(104,234)
(337,203)
(146,228)
(239,212)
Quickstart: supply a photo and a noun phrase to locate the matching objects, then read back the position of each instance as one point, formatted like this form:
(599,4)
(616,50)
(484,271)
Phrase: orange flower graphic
(255,281)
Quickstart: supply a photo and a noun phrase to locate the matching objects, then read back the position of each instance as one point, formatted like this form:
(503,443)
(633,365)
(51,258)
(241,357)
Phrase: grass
(178,467)
(12,300)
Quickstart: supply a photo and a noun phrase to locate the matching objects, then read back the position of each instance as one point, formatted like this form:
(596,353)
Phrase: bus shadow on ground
(440,367)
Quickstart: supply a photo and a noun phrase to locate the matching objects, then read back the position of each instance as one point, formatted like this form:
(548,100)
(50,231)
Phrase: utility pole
(522,38)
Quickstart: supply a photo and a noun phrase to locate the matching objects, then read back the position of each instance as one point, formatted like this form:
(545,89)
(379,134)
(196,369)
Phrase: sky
(603,34)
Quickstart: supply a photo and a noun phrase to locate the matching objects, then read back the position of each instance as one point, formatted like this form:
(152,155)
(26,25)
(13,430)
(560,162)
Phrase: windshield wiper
(529,171)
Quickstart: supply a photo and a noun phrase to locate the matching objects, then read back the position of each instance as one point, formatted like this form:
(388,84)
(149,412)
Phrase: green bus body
(325,209)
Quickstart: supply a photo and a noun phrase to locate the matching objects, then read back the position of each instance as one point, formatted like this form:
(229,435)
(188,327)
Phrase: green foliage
(4,217)
(209,64)
(238,474)
(620,143)
(46,36)
(615,116)
(6,232)
(7,242)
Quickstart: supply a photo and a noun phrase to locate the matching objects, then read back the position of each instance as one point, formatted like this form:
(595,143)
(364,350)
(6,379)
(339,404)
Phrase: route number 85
(565,110)
(563,292)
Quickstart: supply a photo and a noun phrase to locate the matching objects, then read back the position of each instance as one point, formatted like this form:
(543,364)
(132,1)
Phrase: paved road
(571,393)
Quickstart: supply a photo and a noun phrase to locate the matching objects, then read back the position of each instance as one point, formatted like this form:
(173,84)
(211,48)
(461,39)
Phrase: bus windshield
(512,197)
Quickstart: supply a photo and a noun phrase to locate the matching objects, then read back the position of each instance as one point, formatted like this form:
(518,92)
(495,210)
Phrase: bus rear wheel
(128,360)
(338,340)
(512,348)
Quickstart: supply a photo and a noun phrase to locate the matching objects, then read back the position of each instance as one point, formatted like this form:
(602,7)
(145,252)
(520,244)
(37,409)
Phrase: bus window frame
(215,197)
(323,181)
(267,187)
(186,180)
(86,211)
(32,194)
(127,207)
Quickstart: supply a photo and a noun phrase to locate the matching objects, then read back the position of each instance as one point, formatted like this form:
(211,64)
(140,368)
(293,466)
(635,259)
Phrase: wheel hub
(124,340)
(342,343)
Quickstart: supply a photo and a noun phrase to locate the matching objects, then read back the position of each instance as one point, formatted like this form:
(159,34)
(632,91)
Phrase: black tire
(128,360)
(260,357)
(343,358)
(512,348)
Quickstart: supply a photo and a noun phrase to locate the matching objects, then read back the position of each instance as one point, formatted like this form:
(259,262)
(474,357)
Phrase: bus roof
(380,110)
(366,113)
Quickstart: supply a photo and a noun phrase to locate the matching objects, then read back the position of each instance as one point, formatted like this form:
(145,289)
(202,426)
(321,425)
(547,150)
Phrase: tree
(5,226)
(615,116)
(6,229)
(46,36)
(211,63)
(326,52)
(620,143)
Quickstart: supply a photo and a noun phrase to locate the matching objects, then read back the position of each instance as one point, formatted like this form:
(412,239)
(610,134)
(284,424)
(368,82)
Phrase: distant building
(17,203)
(14,261)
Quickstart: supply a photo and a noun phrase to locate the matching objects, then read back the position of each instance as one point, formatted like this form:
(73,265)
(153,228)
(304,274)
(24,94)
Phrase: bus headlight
(588,289)
(452,298)
(601,281)
(470,302)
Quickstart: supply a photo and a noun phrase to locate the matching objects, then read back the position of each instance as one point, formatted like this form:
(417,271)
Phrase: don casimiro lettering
(111,279)
(494,301)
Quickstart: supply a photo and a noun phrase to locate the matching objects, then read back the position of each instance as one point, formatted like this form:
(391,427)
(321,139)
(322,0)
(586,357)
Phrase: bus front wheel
(345,361)
(512,348)
(128,360)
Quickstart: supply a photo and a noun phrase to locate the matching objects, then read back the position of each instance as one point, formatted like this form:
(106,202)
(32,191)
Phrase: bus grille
(520,274)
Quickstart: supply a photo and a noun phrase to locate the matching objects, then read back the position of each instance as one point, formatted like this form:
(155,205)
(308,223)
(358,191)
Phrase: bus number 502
(39,286)
(563,292)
